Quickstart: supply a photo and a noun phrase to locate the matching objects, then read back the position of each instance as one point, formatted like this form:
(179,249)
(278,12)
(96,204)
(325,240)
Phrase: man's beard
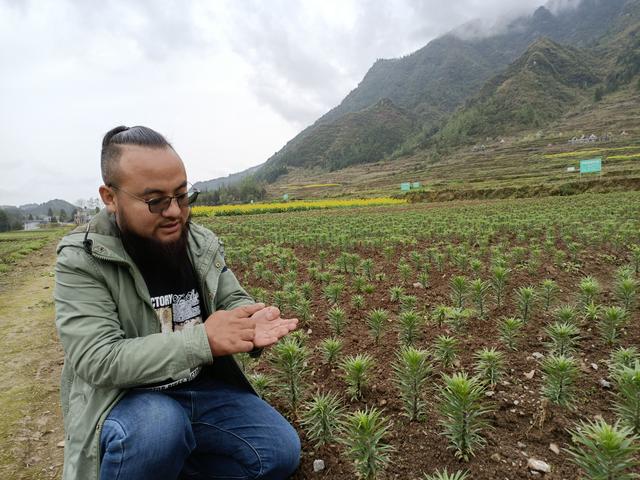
(151,254)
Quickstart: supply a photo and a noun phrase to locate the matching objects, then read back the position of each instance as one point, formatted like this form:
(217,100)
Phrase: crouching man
(149,316)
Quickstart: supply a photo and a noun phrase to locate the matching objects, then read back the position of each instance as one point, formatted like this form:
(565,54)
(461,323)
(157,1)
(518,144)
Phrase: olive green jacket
(111,333)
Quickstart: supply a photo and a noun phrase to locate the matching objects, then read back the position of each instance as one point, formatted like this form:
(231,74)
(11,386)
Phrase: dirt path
(31,359)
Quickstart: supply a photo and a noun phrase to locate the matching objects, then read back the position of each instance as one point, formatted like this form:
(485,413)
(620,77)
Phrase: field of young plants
(16,245)
(477,340)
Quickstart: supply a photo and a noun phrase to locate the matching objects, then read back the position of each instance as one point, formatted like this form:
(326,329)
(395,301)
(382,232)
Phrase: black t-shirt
(176,298)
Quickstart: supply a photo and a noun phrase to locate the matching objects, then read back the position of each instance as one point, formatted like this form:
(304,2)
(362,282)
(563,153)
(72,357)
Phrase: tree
(50,213)
(598,94)
(63,215)
(5,224)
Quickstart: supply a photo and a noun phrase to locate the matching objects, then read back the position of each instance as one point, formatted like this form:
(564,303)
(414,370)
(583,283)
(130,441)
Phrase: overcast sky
(228,82)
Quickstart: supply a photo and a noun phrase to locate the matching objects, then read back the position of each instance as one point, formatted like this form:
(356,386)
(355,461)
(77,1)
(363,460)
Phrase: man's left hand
(269,327)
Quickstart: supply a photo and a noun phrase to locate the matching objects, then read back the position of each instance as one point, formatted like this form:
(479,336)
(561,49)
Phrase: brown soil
(523,424)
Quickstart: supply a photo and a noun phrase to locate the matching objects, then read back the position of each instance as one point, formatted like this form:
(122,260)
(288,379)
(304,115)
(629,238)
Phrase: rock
(516,402)
(489,393)
(554,448)
(418,285)
(309,332)
(318,465)
(604,384)
(60,444)
(537,355)
(496,457)
(382,402)
(538,465)
(594,366)
(521,445)
(529,375)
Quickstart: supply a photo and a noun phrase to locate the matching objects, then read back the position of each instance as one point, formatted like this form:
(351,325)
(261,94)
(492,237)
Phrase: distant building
(593,138)
(83,216)
(33,224)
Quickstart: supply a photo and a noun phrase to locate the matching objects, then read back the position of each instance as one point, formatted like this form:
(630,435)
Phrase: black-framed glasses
(160,204)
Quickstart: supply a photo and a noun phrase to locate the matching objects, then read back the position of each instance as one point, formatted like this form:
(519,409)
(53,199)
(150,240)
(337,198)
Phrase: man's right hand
(235,331)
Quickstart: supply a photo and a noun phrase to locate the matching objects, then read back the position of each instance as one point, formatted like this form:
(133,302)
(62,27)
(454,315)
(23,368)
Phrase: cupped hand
(244,328)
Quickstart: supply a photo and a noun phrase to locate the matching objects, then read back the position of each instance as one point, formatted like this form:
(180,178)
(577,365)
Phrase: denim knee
(146,429)
(285,455)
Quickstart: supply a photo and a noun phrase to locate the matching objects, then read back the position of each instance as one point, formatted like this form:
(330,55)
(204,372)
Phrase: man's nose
(173,210)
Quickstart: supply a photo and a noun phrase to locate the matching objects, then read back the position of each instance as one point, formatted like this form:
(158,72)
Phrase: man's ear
(108,198)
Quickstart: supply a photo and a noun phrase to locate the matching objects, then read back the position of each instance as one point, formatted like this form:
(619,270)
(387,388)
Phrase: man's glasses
(160,204)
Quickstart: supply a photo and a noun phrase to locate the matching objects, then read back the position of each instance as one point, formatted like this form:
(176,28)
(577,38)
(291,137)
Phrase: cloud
(306,57)
(557,6)
(210,75)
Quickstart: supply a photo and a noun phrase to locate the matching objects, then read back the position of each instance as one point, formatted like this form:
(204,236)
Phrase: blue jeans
(205,429)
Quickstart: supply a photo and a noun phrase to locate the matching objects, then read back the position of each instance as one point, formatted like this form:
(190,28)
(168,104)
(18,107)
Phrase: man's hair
(114,138)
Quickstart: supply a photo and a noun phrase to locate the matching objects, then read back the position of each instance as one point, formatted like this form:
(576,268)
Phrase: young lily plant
(289,361)
(412,370)
(463,413)
(321,418)
(364,436)
(357,369)
(604,451)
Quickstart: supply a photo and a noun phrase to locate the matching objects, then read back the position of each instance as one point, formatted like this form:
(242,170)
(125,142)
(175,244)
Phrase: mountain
(469,76)
(216,183)
(359,137)
(42,209)
(546,81)
(438,77)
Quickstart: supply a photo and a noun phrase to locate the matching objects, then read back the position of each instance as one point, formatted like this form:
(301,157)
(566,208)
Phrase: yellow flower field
(274,207)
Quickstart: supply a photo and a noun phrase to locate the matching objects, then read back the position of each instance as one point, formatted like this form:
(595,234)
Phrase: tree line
(246,190)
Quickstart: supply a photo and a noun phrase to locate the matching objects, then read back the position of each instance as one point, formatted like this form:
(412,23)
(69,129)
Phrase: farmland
(435,273)
(17,245)
(402,308)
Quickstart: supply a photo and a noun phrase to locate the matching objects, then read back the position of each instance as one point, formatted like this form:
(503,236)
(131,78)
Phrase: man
(149,316)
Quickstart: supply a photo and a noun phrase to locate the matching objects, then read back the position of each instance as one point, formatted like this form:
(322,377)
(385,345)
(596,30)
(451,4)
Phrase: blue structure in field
(406,186)
(592,165)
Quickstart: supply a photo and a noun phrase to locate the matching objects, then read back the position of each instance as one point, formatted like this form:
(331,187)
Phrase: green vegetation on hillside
(540,86)
(361,137)
(246,190)
(531,86)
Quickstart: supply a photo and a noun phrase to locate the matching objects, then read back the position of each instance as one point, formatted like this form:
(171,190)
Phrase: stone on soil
(604,384)
(318,465)
(538,465)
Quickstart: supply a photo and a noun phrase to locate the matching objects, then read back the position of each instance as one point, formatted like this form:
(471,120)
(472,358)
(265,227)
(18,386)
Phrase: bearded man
(149,316)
